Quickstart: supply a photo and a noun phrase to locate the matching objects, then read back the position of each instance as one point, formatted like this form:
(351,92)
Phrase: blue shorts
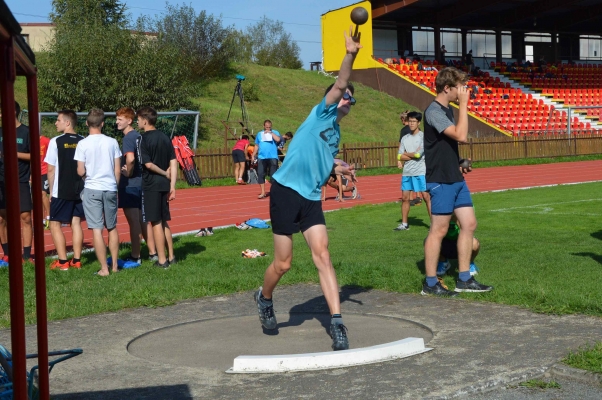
(130,197)
(64,210)
(446,197)
(413,183)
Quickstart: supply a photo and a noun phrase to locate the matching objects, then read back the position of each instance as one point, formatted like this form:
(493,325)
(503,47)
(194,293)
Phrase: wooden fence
(217,163)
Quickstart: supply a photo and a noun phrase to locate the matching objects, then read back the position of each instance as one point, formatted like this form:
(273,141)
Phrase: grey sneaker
(165,265)
(437,290)
(402,227)
(354,193)
(338,333)
(173,261)
(266,312)
(472,286)
(153,258)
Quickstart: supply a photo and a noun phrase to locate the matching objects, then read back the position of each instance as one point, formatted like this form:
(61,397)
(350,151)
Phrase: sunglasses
(349,97)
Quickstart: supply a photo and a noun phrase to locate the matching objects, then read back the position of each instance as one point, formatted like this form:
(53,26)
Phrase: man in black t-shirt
(25,203)
(406,128)
(159,173)
(130,187)
(65,188)
(445,182)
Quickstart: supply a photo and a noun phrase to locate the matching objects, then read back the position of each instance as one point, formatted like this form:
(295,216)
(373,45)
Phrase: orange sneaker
(76,265)
(57,265)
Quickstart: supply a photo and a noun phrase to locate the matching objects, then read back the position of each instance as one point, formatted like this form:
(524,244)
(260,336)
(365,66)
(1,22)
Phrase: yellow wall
(334,23)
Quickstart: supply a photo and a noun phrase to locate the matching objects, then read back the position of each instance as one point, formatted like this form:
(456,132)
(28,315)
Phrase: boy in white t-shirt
(99,163)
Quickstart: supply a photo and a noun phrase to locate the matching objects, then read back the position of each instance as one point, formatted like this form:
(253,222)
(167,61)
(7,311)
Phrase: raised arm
(459,132)
(352,46)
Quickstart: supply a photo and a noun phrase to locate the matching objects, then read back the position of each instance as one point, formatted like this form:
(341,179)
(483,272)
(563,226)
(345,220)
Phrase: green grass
(540,384)
(526,247)
(588,358)
(286,97)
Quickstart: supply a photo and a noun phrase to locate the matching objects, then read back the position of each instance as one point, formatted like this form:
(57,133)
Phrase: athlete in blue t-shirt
(295,197)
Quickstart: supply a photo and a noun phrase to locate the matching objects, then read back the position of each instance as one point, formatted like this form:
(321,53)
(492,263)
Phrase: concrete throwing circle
(214,343)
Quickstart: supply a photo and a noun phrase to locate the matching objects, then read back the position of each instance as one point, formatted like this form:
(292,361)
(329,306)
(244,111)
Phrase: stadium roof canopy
(560,16)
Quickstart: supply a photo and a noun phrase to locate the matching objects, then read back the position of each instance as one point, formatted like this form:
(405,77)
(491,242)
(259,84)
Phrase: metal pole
(38,237)
(13,216)
(196,129)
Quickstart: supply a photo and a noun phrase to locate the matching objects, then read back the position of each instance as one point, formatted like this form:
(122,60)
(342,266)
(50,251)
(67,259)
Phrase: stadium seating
(517,113)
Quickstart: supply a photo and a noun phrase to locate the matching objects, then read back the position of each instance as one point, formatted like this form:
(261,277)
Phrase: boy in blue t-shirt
(295,197)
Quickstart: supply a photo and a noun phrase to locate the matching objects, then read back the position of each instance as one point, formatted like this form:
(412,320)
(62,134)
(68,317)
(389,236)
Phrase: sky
(301,18)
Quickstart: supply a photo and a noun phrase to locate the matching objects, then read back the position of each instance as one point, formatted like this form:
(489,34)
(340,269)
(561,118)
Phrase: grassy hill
(286,97)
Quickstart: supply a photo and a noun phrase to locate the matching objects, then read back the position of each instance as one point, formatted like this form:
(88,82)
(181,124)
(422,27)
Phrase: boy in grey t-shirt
(411,154)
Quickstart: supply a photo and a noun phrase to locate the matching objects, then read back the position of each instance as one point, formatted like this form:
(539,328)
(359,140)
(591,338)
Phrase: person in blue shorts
(445,183)
(411,155)
(295,204)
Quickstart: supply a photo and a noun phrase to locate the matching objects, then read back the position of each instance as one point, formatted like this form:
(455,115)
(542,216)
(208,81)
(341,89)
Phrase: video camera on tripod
(244,122)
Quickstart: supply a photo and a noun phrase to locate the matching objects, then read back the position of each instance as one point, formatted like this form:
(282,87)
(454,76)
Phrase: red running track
(219,206)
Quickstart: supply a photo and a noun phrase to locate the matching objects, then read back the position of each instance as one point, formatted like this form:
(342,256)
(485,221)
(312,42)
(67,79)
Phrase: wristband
(399,157)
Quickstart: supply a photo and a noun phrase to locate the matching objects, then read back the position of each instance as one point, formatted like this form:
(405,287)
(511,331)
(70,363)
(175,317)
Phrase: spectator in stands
(443,51)
(411,158)
(416,57)
(239,158)
(129,196)
(65,188)
(445,182)
(99,163)
(469,61)
(25,204)
(266,151)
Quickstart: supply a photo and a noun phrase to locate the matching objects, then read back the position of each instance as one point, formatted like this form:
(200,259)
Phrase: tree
(272,45)
(201,39)
(67,13)
(98,63)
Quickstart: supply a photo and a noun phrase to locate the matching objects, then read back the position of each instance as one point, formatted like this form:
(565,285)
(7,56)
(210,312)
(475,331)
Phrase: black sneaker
(266,312)
(338,333)
(173,261)
(165,265)
(472,286)
(437,290)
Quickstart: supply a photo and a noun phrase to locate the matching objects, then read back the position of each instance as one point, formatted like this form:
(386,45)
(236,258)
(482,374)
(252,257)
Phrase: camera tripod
(238,92)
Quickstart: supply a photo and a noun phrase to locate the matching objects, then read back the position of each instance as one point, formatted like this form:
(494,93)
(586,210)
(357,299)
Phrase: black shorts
(155,207)
(449,249)
(45,184)
(25,204)
(290,212)
(62,210)
(265,165)
(129,197)
(238,156)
